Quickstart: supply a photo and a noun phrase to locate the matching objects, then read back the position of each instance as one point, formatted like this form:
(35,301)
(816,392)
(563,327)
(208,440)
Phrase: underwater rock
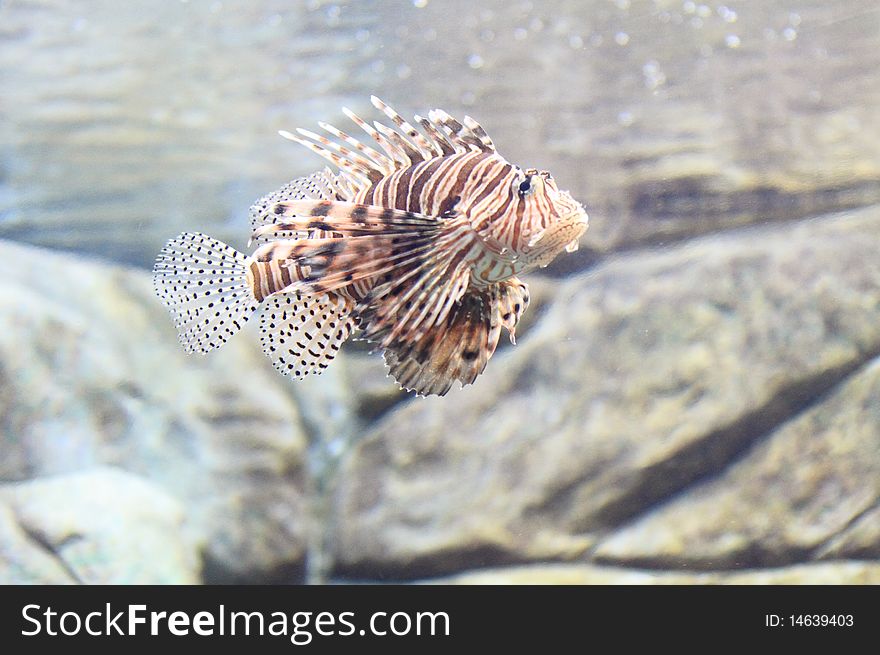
(860,539)
(23,559)
(814,480)
(99,526)
(581,574)
(91,373)
(648,374)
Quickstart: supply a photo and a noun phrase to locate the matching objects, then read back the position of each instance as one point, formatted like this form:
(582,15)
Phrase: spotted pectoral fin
(346,218)
(302,334)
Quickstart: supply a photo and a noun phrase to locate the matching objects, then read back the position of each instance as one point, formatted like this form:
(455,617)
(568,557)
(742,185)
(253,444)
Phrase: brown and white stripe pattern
(456,169)
(266,278)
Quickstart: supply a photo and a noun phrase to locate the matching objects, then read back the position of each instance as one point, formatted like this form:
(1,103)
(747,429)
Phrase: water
(142,119)
(728,154)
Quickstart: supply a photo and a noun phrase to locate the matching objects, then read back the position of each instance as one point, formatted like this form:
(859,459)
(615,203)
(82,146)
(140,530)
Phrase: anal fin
(302,334)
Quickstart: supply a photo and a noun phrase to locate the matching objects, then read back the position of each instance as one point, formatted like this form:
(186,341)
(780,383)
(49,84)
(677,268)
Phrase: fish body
(419,244)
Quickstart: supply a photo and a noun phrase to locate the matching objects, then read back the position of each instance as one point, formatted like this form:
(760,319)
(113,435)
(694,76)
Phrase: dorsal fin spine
(439,142)
(361,161)
(380,161)
(393,152)
(361,165)
(412,156)
(416,138)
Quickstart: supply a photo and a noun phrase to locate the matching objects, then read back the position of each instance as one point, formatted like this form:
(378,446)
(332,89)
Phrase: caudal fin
(203,283)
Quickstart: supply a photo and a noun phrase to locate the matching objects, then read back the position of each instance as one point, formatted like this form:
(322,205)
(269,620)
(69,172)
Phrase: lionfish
(418,244)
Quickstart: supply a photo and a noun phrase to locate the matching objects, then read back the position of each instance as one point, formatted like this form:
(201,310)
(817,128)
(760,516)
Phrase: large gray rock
(101,526)
(811,486)
(650,373)
(92,374)
(124,127)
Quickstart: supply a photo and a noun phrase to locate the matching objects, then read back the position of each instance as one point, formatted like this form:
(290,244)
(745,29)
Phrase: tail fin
(204,285)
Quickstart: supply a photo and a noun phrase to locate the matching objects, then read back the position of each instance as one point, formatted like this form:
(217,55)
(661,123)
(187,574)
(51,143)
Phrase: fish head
(550,220)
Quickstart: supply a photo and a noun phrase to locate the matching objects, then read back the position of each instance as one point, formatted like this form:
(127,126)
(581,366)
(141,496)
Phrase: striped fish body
(511,232)
(418,244)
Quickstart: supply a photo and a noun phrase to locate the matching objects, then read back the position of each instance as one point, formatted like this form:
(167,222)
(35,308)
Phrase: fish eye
(527,186)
